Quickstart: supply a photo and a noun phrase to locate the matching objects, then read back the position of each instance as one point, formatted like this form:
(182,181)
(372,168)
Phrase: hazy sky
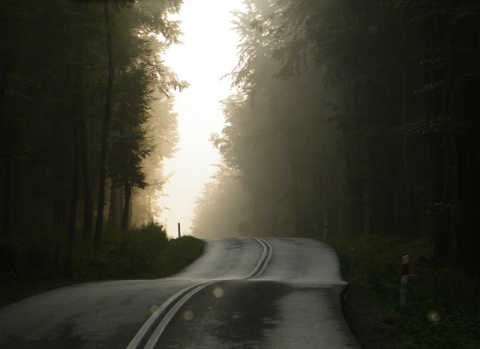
(208,52)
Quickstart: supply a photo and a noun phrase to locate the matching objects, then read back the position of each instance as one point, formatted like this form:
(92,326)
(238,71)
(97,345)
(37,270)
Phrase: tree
(399,79)
(221,208)
(55,88)
(146,19)
(163,134)
(12,87)
(451,81)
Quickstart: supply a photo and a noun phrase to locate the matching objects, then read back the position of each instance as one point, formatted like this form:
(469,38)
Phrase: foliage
(220,209)
(78,94)
(140,253)
(359,117)
(443,303)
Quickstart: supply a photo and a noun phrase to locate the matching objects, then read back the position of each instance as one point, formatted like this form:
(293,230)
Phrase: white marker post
(404,281)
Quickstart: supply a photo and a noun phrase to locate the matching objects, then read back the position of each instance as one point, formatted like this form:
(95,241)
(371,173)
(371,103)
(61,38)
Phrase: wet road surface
(242,293)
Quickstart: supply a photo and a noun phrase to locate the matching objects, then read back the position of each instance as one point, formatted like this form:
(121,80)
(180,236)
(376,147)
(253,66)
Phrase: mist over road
(242,293)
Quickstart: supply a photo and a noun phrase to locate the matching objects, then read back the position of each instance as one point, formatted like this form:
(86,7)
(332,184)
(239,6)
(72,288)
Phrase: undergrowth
(443,310)
(36,262)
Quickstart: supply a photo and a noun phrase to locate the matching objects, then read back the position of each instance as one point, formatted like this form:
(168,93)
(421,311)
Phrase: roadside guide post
(404,281)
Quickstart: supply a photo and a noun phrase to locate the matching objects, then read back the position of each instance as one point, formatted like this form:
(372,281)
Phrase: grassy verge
(443,310)
(36,263)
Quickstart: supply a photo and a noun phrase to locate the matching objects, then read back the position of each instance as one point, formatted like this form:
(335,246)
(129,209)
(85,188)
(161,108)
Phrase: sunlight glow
(208,52)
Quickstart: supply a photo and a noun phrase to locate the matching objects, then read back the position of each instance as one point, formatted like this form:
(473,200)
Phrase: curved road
(242,293)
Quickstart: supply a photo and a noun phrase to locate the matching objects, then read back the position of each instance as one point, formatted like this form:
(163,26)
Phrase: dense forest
(86,116)
(355,117)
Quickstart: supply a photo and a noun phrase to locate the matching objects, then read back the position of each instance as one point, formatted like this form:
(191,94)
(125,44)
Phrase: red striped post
(404,281)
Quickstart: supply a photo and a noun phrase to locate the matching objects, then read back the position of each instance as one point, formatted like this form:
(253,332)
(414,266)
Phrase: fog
(208,52)
(344,118)
(353,122)
(343,126)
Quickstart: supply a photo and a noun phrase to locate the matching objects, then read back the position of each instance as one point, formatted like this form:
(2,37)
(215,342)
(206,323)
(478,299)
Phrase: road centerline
(170,307)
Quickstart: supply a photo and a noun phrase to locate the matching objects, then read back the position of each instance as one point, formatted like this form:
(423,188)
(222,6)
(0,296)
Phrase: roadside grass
(443,310)
(36,262)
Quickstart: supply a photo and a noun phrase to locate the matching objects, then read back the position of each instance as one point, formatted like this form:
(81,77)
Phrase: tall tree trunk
(106,125)
(467,111)
(5,228)
(6,198)
(358,173)
(440,228)
(468,239)
(441,189)
(126,206)
(411,223)
(115,207)
(87,182)
(79,96)
(72,215)
(61,174)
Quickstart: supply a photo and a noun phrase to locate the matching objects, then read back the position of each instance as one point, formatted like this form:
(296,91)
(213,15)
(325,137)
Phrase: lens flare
(433,316)
(218,292)
(188,315)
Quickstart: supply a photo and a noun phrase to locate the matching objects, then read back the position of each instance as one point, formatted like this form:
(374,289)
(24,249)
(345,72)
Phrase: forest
(350,117)
(353,117)
(86,118)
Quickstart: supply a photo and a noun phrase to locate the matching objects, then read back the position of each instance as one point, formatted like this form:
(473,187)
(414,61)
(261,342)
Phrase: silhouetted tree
(391,146)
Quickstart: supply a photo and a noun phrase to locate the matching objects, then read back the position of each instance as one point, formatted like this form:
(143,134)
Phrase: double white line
(167,310)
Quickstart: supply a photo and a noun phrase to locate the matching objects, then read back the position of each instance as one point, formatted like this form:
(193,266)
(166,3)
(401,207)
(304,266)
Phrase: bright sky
(208,52)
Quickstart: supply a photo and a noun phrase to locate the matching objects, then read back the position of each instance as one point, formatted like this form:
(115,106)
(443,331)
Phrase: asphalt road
(242,293)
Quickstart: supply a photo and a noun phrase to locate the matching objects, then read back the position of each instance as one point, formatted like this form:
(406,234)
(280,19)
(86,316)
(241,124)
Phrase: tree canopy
(359,117)
(85,110)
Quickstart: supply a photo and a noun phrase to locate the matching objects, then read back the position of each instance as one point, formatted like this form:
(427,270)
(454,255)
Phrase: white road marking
(263,262)
(182,296)
(169,316)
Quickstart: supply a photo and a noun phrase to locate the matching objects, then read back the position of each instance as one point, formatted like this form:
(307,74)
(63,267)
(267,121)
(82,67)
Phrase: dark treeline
(84,115)
(359,117)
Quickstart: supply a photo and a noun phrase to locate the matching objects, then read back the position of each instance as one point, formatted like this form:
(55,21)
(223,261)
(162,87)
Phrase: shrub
(443,302)
(140,253)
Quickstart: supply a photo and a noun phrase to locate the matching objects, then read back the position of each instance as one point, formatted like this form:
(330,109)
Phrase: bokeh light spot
(218,292)
(188,315)
(433,316)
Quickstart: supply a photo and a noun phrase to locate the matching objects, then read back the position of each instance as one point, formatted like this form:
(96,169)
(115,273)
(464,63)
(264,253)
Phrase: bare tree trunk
(85,152)
(72,215)
(115,207)
(466,112)
(440,179)
(106,126)
(126,206)
(79,102)
(6,198)
(87,182)
(411,223)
